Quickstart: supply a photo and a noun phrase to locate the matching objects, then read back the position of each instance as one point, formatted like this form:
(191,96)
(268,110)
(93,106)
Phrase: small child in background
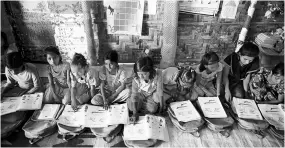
(57,76)
(209,76)
(112,82)
(267,87)
(237,70)
(178,83)
(83,79)
(147,89)
(21,77)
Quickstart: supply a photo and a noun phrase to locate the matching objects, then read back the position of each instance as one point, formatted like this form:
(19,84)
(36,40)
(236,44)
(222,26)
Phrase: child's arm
(102,86)
(219,81)
(226,71)
(160,92)
(36,82)
(119,90)
(73,92)
(246,82)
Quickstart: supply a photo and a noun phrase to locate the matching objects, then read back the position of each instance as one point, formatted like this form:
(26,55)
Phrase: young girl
(113,82)
(20,76)
(83,79)
(238,67)
(268,86)
(147,89)
(209,70)
(177,83)
(112,90)
(57,76)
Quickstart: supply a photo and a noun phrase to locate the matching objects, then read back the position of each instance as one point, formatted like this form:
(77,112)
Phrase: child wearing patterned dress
(209,76)
(112,82)
(57,76)
(147,89)
(84,80)
(267,87)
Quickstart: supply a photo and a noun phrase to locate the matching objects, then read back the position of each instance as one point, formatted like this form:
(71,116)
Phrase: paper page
(71,118)
(212,107)
(157,127)
(49,112)
(151,7)
(31,102)
(281,106)
(136,131)
(118,114)
(229,9)
(9,105)
(96,116)
(247,109)
(185,111)
(273,115)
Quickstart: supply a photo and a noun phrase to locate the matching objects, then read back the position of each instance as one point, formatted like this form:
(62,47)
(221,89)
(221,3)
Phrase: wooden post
(91,51)
(170,23)
(246,25)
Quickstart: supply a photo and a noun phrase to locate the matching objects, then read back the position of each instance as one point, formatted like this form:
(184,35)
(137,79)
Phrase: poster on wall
(229,9)
(209,7)
(124,16)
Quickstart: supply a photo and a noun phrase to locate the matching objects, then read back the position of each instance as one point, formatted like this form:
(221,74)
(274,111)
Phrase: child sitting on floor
(178,83)
(209,72)
(23,77)
(57,76)
(113,82)
(83,79)
(267,87)
(147,89)
(237,70)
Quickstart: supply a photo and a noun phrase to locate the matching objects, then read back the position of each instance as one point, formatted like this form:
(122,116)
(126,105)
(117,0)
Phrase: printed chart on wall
(209,7)
(124,16)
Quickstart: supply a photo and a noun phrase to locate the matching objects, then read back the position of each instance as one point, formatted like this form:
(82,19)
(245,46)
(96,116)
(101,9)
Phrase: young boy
(25,75)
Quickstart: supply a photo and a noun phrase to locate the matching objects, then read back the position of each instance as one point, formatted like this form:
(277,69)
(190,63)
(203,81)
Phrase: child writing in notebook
(209,76)
(147,89)
(238,69)
(178,83)
(57,76)
(20,76)
(112,82)
(267,87)
(83,79)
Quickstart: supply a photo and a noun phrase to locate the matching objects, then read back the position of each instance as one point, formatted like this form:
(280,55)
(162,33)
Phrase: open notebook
(147,127)
(94,116)
(185,111)
(247,109)
(48,112)
(212,107)
(25,102)
(273,114)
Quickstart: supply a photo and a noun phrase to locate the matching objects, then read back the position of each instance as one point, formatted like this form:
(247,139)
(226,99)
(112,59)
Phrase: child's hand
(74,105)
(228,95)
(134,118)
(106,104)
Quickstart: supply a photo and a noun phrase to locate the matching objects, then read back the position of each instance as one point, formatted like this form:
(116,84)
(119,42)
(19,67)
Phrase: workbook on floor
(147,127)
(247,109)
(212,107)
(25,102)
(185,111)
(94,116)
(273,114)
(49,112)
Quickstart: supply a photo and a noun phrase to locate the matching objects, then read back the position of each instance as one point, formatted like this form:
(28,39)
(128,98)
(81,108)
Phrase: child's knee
(97,100)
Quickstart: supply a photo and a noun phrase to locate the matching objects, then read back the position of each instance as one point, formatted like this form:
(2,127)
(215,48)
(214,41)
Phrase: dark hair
(249,49)
(79,59)
(112,55)
(191,74)
(14,60)
(53,49)
(208,59)
(5,39)
(145,64)
(278,69)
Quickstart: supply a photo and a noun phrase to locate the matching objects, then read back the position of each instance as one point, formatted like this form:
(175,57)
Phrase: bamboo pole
(91,51)
(246,25)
